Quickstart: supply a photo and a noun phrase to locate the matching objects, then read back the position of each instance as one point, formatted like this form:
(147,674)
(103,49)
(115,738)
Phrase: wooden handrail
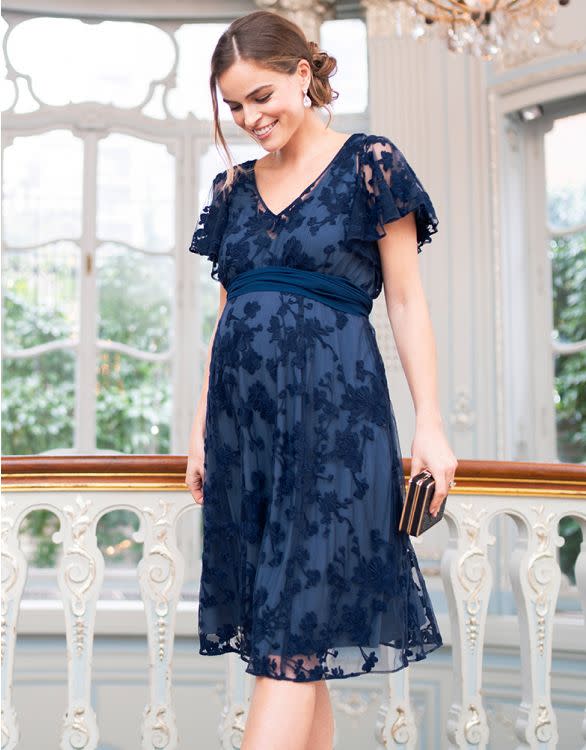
(149,472)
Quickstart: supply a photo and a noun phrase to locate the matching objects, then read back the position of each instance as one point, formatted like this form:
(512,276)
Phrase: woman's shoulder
(377,143)
(379,150)
(223,183)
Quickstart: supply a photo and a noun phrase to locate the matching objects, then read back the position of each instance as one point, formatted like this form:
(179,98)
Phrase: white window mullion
(543,424)
(86,372)
(517,369)
(185,328)
(527,294)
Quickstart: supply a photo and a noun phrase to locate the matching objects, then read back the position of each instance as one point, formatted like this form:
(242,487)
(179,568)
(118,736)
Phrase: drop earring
(306,101)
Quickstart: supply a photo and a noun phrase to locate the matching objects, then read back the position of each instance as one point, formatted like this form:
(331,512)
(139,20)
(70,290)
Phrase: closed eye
(261,101)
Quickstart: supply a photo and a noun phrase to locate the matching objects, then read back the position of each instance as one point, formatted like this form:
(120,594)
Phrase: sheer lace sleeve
(209,230)
(388,189)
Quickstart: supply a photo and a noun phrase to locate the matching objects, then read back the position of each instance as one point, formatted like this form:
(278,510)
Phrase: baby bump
(290,368)
(277,328)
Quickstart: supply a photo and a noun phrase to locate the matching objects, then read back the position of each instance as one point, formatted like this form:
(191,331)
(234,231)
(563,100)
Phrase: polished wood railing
(81,489)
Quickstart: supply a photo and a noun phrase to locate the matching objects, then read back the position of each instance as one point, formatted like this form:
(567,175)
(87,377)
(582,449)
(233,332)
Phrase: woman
(294,451)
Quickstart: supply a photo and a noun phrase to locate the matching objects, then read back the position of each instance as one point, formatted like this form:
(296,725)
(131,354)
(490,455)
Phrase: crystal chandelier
(484,28)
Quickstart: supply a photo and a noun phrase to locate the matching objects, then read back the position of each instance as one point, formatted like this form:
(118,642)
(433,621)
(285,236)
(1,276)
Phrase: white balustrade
(471,515)
(80,576)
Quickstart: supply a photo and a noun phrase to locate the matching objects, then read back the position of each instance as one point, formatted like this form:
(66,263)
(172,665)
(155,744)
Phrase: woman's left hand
(430,450)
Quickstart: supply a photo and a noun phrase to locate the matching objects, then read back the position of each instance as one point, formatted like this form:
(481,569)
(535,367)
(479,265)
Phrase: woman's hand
(430,450)
(194,476)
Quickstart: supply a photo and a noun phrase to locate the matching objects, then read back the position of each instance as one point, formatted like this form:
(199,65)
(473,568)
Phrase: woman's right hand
(194,476)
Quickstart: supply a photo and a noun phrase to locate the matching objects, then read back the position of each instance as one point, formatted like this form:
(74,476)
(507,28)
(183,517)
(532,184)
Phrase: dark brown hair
(274,42)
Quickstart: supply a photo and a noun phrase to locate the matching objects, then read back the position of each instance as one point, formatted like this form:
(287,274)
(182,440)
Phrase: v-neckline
(306,189)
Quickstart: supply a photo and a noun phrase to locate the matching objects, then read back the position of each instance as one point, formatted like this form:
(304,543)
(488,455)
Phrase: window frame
(541,271)
(523,294)
(516,341)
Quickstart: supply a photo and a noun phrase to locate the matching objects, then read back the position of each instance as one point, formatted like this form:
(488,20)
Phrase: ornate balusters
(396,724)
(581,584)
(80,576)
(14,567)
(161,573)
(535,577)
(235,711)
(467,578)
(465,572)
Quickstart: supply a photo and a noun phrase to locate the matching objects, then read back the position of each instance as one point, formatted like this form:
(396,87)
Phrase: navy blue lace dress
(304,573)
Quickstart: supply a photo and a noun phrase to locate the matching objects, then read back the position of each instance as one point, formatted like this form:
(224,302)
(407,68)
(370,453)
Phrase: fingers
(196,492)
(438,498)
(442,487)
(194,479)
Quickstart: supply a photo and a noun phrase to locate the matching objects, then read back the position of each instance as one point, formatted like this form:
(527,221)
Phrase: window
(107,318)
(566,222)
(565,169)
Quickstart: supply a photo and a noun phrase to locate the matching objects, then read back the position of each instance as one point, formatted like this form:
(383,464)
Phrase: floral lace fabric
(304,573)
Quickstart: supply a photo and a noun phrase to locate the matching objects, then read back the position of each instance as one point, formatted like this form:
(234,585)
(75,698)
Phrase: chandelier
(484,28)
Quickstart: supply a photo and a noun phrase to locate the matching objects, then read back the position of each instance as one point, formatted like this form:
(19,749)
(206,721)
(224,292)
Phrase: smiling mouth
(266,129)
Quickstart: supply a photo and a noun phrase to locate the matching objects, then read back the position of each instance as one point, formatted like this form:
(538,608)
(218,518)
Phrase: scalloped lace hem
(307,669)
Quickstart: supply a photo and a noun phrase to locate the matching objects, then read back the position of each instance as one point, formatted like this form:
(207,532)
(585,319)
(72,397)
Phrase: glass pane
(135,298)
(136,192)
(568,259)
(112,62)
(42,188)
(40,292)
(570,398)
(346,41)
(38,401)
(133,404)
(566,172)
(566,207)
(196,43)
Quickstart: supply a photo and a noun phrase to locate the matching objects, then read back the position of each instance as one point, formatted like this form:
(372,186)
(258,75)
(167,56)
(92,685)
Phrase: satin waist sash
(334,291)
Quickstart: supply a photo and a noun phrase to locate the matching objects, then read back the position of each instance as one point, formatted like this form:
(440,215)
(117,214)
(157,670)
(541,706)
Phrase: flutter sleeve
(209,229)
(388,189)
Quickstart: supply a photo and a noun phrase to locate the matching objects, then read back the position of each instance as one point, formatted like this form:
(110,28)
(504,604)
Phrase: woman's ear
(304,71)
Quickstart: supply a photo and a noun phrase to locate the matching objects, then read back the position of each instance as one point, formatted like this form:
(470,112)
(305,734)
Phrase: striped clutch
(415,517)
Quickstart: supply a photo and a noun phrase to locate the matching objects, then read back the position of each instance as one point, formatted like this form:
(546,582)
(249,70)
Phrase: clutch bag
(415,516)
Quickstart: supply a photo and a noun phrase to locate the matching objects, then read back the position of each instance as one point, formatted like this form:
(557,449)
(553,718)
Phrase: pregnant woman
(294,452)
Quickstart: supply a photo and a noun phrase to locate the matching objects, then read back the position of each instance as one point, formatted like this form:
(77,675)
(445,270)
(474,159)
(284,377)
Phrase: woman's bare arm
(195,469)
(413,332)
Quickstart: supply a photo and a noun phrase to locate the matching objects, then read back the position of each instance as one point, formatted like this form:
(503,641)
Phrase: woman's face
(266,104)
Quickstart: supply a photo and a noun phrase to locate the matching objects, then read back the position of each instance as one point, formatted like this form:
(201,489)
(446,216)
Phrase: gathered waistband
(334,291)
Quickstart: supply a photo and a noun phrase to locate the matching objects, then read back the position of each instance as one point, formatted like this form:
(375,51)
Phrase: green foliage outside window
(133,396)
(568,259)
